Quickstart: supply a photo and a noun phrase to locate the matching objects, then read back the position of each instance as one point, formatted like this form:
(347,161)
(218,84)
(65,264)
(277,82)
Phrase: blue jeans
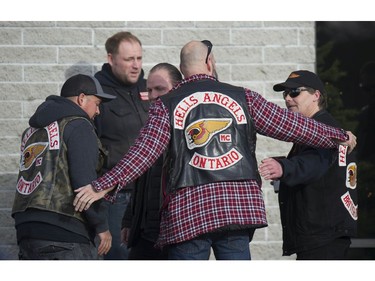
(35,249)
(227,245)
(116,211)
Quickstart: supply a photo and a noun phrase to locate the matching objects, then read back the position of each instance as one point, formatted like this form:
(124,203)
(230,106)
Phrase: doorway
(346,60)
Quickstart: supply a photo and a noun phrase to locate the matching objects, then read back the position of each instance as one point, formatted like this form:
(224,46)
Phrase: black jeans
(336,250)
(145,250)
(34,249)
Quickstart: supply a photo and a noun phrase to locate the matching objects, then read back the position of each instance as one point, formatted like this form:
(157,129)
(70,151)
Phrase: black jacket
(310,198)
(120,120)
(82,149)
(143,213)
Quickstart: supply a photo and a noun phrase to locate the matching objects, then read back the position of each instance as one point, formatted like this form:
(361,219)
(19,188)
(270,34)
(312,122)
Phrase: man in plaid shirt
(212,196)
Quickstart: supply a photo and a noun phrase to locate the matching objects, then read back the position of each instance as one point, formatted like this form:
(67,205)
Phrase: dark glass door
(346,60)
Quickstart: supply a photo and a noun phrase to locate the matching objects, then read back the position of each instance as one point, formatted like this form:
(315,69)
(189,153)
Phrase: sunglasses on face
(293,93)
(209,46)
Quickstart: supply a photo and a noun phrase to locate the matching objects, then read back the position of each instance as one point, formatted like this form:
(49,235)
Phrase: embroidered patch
(143,96)
(351,175)
(30,131)
(27,187)
(31,153)
(215,163)
(53,136)
(225,138)
(349,205)
(294,75)
(342,155)
(201,132)
(190,102)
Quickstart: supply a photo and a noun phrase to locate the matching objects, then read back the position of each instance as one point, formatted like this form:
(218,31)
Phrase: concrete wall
(36,57)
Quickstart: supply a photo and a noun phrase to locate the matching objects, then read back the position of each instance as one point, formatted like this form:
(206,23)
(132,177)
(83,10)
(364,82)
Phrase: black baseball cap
(301,78)
(86,84)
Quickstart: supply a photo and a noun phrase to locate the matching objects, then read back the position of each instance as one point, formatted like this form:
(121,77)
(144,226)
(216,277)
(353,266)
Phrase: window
(343,48)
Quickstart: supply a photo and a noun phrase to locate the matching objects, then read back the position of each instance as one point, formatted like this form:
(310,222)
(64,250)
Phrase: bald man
(212,192)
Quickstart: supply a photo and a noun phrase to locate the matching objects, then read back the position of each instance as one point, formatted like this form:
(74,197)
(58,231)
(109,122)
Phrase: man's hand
(105,242)
(87,195)
(351,142)
(270,169)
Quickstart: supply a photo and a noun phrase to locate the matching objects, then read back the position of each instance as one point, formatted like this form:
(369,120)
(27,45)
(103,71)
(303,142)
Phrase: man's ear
(209,66)
(317,94)
(80,98)
(110,59)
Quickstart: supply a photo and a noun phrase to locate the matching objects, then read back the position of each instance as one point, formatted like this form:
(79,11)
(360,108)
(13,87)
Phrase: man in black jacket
(317,195)
(121,120)
(59,152)
(141,222)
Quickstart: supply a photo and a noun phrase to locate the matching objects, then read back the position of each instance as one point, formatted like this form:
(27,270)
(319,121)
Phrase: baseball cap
(301,78)
(86,84)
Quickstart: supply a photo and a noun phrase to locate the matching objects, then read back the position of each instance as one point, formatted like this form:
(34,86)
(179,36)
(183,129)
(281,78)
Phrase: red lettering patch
(216,163)
(27,187)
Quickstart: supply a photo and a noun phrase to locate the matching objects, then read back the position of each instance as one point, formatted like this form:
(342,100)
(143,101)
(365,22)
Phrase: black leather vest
(213,138)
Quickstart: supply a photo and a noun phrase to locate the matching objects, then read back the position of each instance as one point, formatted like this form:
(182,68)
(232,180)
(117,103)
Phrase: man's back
(60,152)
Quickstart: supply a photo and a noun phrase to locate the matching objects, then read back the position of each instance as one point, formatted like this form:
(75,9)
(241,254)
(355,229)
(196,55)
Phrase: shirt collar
(193,78)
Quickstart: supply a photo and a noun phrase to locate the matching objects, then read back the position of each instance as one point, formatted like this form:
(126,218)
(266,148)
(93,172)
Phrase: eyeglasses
(293,93)
(209,46)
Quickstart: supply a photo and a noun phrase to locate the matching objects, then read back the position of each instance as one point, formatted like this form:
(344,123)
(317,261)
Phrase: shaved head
(192,59)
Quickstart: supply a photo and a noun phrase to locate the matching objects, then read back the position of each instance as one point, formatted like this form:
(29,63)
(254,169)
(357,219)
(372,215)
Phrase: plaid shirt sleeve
(282,124)
(150,144)
(269,119)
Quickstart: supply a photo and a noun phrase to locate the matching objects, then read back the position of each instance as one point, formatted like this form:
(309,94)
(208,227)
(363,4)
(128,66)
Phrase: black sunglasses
(209,46)
(293,92)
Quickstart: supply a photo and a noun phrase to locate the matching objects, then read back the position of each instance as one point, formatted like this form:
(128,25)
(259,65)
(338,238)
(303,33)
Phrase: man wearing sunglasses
(212,195)
(317,187)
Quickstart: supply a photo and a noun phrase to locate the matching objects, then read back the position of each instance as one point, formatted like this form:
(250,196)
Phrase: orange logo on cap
(294,75)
